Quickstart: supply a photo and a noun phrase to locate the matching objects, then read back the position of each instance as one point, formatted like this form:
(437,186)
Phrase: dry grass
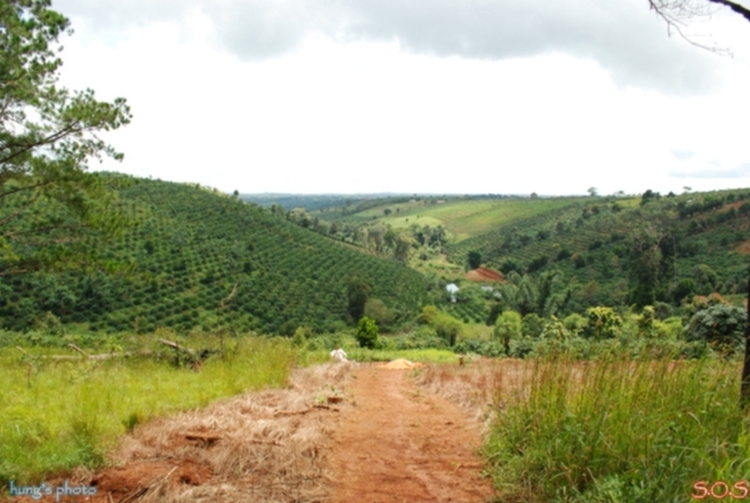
(260,447)
(479,386)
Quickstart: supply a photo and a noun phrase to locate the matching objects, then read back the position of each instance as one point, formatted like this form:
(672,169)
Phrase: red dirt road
(377,437)
(400,444)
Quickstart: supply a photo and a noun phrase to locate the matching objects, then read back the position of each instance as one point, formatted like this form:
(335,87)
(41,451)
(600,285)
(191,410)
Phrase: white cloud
(355,108)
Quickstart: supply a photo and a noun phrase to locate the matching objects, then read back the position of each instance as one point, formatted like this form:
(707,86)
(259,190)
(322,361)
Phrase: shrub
(425,337)
(508,327)
(475,259)
(509,266)
(376,310)
(579,261)
(537,263)
(602,322)
(447,327)
(721,325)
(533,324)
(301,336)
(367,333)
(554,329)
(428,315)
(574,324)
(563,254)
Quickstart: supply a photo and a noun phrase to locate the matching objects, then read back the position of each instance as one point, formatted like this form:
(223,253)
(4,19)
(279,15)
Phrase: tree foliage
(720,324)
(357,293)
(508,327)
(475,259)
(48,134)
(367,333)
(602,322)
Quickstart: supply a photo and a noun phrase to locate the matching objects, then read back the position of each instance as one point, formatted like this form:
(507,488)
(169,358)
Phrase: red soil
(398,444)
(384,440)
(484,274)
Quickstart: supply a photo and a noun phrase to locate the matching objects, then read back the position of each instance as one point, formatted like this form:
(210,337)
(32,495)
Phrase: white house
(452,290)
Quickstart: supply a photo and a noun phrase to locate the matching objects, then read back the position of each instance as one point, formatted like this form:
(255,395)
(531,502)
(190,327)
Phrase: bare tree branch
(678,14)
(53,138)
(739,9)
(20,210)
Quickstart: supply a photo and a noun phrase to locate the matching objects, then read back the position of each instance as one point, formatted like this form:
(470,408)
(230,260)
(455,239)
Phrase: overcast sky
(440,96)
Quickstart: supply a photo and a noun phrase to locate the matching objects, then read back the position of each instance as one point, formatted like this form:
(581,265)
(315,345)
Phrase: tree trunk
(745,388)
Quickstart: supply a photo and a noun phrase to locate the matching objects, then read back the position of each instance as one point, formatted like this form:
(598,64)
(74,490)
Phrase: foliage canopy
(47,136)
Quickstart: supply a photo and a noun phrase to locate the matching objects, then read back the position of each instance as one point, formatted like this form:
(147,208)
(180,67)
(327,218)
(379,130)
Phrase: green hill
(189,250)
(462,216)
(704,236)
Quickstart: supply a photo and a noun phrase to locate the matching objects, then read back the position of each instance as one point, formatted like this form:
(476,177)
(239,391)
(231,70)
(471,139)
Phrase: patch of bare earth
(743,248)
(484,274)
(400,443)
(480,387)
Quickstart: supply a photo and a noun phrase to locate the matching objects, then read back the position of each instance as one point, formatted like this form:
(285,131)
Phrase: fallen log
(86,356)
(177,347)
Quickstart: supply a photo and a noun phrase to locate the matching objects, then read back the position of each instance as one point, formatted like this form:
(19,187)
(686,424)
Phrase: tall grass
(620,430)
(58,415)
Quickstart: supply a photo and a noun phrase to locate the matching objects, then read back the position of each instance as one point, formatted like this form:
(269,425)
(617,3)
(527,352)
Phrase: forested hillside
(196,257)
(635,250)
(588,251)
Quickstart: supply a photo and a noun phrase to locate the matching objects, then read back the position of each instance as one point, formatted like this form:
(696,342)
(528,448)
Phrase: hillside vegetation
(463,217)
(678,246)
(580,251)
(199,258)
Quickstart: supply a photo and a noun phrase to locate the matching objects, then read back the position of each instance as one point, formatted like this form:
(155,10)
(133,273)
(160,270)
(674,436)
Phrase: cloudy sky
(440,96)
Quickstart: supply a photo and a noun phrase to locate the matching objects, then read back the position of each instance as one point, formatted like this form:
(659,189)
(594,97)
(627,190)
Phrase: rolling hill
(200,258)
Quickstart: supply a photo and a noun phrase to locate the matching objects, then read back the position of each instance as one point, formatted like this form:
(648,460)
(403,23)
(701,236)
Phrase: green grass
(59,415)
(465,218)
(619,430)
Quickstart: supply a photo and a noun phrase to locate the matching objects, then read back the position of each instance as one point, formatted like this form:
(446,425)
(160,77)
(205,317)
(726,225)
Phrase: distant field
(462,218)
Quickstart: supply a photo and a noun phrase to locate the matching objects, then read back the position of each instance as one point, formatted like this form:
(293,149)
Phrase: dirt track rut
(401,444)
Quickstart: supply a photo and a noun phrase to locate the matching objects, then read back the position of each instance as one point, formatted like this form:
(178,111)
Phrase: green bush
(447,327)
(574,323)
(721,325)
(508,327)
(602,323)
(367,333)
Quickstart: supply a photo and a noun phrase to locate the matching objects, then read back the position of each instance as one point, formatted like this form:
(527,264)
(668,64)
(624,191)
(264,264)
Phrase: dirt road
(338,433)
(399,443)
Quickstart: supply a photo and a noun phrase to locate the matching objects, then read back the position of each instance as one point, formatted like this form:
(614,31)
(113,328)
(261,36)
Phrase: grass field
(462,218)
(620,430)
(61,414)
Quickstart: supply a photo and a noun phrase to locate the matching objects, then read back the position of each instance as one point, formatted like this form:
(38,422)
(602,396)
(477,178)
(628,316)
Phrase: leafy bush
(367,333)
(376,310)
(574,323)
(425,337)
(492,348)
(447,327)
(602,322)
(508,327)
(721,325)
(533,324)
